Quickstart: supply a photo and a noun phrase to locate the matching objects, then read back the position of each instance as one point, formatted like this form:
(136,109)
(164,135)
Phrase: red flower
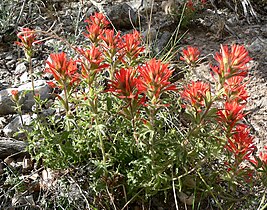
(231,114)
(124,84)
(110,42)
(263,155)
(63,69)
(235,90)
(154,79)
(241,143)
(28,39)
(91,61)
(98,19)
(190,55)
(233,63)
(15,95)
(14,92)
(190,5)
(94,33)
(196,93)
(130,45)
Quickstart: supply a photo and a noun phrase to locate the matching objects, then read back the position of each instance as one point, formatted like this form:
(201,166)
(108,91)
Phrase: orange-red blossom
(63,69)
(28,39)
(190,55)
(154,78)
(231,62)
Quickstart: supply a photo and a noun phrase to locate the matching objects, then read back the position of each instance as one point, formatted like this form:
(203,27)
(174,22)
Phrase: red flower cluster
(234,89)
(95,27)
(15,95)
(28,39)
(63,69)
(91,63)
(152,80)
(131,46)
(263,155)
(191,5)
(115,47)
(241,143)
(124,84)
(196,94)
(231,63)
(231,115)
(190,55)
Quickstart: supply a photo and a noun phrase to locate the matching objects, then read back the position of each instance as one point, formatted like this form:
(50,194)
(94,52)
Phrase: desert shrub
(138,133)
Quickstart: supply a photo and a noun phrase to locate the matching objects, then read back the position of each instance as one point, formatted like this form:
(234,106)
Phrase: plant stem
(66,100)
(31,73)
(209,189)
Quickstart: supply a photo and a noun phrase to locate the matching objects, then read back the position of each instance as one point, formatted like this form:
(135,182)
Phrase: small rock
(264,30)
(24,77)
(257,46)
(27,101)
(53,43)
(9,63)
(15,125)
(150,34)
(122,16)
(20,199)
(163,41)
(20,68)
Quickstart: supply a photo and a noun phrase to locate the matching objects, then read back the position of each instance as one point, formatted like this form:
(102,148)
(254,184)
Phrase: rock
(22,200)
(20,68)
(122,16)
(27,101)
(24,77)
(163,41)
(150,34)
(258,45)
(264,30)
(9,146)
(15,125)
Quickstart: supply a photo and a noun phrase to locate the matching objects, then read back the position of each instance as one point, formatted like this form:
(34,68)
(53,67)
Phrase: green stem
(152,136)
(133,120)
(210,190)
(66,104)
(66,100)
(31,73)
(102,146)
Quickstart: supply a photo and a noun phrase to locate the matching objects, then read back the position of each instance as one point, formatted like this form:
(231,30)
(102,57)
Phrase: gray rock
(27,100)
(163,41)
(20,68)
(259,45)
(122,16)
(24,77)
(9,146)
(15,125)
(150,34)
(264,30)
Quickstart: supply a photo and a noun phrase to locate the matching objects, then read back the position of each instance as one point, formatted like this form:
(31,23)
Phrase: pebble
(15,125)
(20,68)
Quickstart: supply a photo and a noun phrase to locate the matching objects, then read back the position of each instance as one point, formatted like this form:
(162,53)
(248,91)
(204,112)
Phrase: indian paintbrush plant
(122,118)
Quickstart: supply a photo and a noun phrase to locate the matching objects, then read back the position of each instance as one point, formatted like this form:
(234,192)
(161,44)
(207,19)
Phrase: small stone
(15,125)
(24,77)
(9,63)
(163,41)
(122,16)
(20,68)
(27,100)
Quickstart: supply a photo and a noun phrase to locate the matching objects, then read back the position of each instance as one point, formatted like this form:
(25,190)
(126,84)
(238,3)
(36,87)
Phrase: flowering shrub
(139,133)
